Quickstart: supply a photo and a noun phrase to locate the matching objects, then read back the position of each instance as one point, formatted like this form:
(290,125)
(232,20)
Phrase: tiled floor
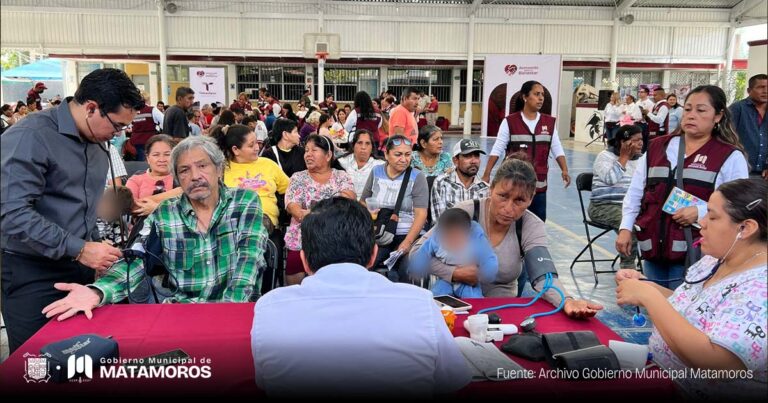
(566,235)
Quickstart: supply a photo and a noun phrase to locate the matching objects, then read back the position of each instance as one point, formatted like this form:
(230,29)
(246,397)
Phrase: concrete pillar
(383,80)
(69,77)
(470,70)
(455,95)
(164,88)
(321,80)
(231,83)
(309,80)
(154,88)
(614,49)
(729,85)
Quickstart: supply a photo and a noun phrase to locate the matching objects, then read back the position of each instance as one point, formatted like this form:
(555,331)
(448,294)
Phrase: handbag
(525,345)
(384,227)
(692,253)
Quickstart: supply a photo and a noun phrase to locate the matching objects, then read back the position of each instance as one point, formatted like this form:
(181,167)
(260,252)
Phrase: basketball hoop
(321,56)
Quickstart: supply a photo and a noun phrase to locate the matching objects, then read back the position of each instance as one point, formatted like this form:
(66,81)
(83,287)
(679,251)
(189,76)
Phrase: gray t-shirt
(385,191)
(507,253)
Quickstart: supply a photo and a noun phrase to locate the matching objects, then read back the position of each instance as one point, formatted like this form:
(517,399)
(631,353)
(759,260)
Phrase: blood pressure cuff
(577,351)
(525,345)
(78,356)
(538,262)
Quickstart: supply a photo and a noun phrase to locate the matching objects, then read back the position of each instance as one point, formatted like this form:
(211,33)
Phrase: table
(221,332)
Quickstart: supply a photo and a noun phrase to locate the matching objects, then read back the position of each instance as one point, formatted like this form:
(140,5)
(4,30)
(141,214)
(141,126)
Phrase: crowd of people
(13,113)
(345,189)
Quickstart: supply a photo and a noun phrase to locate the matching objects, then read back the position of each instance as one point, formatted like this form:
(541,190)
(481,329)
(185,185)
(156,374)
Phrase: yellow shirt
(264,176)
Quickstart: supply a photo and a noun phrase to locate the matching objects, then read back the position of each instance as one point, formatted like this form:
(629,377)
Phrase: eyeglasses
(398,142)
(117,127)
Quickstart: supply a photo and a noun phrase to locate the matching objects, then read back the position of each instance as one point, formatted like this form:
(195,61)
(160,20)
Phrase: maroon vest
(143,126)
(659,238)
(655,129)
(372,125)
(536,144)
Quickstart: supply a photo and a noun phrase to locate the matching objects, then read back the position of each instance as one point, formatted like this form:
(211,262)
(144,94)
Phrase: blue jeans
(443,287)
(399,273)
(669,276)
(539,206)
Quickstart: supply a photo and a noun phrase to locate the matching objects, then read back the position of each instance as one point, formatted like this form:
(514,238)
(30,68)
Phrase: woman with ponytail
(246,170)
(712,155)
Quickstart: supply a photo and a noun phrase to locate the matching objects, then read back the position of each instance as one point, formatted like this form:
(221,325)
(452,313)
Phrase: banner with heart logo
(209,84)
(505,74)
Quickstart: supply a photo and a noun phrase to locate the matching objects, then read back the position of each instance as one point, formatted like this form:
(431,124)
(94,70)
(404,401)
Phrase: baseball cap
(467,146)
(41,85)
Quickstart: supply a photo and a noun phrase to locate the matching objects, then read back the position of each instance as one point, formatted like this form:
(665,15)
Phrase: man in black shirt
(175,123)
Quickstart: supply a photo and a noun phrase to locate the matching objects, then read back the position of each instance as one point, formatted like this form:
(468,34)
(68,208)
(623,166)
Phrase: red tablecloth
(221,332)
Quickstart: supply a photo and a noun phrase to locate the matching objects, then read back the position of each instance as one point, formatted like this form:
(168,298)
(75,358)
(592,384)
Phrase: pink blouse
(144,185)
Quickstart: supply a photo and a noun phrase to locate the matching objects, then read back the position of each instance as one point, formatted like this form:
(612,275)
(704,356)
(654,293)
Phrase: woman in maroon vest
(535,134)
(713,156)
(364,117)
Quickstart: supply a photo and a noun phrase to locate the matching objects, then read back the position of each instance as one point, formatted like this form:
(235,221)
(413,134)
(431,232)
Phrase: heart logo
(510,69)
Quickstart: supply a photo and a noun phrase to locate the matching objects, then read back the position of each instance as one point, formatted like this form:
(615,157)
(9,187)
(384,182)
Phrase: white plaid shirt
(447,191)
(117,162)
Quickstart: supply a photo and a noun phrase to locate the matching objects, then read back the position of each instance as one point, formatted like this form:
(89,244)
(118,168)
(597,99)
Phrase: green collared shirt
(224,264)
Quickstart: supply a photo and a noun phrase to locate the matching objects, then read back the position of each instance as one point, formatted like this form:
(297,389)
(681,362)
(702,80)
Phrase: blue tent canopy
(47,69)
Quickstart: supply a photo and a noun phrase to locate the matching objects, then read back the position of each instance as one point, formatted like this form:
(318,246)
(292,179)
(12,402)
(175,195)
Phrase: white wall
(758,61)
(271,28)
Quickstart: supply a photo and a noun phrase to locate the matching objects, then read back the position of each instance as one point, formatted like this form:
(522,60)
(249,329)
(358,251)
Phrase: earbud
(741,229)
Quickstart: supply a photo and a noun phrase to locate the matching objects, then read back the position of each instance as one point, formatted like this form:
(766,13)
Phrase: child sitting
(457,241)
(110,213)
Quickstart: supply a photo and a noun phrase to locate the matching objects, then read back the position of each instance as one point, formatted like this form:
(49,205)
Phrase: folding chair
(584,184)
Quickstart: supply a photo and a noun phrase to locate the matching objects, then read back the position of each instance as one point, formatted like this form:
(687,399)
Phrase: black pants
(399,273)
(27,288)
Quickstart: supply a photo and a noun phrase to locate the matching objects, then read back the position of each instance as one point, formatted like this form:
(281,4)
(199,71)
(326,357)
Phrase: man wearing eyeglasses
(53,166)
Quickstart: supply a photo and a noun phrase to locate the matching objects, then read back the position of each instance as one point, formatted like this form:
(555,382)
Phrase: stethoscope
(530,322)
(639,320)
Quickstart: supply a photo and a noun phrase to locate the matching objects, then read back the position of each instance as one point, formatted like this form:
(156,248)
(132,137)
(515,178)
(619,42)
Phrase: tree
(12,58)
(741,85)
